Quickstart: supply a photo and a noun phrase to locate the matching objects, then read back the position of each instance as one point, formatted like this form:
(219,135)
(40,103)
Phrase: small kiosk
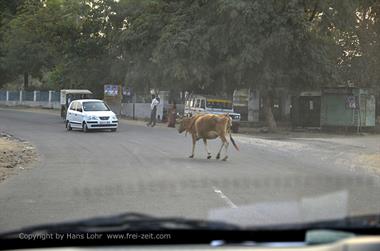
(68,95)
(348,107)
(306,109)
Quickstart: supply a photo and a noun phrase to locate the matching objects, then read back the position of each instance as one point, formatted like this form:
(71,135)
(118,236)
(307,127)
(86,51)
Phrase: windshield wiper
(142,222)
(182,230)
(125,222)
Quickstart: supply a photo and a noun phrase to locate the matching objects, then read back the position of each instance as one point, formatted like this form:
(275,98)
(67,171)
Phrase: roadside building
(306,109)
(348,107)
(250,104)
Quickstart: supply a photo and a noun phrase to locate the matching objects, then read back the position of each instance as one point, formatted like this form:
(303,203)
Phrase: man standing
(153,113)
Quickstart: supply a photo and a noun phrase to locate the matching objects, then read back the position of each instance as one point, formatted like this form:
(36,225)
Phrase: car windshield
(148,114)
(93,106)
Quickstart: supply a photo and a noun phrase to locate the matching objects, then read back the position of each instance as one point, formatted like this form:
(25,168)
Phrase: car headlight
(114,117)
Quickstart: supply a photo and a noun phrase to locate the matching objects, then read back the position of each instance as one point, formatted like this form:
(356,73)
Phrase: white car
(89,114)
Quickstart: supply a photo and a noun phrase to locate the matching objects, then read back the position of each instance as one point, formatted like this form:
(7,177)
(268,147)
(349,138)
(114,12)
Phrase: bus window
(203,104)
(197,103)
(219,104)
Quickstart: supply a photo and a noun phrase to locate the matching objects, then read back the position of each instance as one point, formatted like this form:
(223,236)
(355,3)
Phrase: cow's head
(183,123)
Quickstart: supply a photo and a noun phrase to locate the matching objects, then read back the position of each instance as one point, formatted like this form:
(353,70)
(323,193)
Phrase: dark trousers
(153,115)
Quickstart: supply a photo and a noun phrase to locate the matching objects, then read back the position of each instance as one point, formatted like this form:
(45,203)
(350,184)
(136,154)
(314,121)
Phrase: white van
(211,105)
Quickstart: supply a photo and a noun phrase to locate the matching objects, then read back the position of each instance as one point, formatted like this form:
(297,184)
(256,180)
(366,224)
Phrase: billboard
(111,90)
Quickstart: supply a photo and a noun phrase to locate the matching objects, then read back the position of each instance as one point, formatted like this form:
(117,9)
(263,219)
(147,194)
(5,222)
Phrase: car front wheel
(68,126)
(84,127)
(113,129)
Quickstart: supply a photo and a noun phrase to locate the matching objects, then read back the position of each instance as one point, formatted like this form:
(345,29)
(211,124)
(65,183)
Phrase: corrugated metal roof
(76,91)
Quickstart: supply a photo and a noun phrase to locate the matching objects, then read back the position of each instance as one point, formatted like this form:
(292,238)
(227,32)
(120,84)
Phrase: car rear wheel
(84,127)
(68,126)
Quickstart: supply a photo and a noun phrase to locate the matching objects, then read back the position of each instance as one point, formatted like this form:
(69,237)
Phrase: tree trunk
(26,80)
(268,112)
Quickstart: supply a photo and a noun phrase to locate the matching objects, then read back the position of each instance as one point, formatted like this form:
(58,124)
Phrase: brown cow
(208,126)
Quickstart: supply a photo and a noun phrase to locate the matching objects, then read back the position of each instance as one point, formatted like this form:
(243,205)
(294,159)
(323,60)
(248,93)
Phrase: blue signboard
(111,90)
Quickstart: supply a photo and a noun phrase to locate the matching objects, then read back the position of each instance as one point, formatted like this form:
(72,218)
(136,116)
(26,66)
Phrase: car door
(202,108)
(74,114)
(191,107)
(70,112)
(196,105)
(79,113)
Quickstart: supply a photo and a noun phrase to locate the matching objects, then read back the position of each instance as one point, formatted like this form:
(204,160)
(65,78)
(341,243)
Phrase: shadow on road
(198,160)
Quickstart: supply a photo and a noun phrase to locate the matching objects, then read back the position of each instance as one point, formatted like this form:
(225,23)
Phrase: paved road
(146,170)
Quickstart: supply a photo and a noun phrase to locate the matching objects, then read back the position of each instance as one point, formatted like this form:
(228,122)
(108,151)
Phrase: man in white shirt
(153,113)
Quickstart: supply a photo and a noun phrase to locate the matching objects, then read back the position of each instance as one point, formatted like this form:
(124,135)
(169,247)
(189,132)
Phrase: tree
(204,46)
(66,41)
(361,46)
(25,48)
(8,10)
(225,45)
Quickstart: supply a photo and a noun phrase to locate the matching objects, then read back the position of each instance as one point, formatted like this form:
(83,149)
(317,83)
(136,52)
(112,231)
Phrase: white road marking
(224,197)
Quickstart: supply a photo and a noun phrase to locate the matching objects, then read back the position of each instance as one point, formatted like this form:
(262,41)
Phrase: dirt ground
(15,155)
(371,161)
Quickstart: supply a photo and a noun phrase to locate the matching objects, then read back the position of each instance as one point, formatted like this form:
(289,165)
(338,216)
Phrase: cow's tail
(230,132)
(234,143)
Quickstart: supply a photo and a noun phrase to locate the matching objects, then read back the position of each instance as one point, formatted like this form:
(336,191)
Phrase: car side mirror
(79,110)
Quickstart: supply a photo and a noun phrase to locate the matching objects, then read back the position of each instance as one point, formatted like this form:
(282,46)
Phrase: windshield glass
(94,106)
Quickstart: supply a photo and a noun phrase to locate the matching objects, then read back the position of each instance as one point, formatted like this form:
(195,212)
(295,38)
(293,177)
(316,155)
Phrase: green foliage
(211,46)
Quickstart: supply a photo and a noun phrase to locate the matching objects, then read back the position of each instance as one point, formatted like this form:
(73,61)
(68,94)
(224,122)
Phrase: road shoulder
(15,155)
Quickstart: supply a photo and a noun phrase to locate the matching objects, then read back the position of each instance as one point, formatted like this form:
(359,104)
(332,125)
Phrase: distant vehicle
(87,114)
(69,95)
(211,105)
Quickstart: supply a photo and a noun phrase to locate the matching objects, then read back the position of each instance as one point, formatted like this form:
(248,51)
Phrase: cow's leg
(221,147)
(194,142)
(208,153)
(225,143)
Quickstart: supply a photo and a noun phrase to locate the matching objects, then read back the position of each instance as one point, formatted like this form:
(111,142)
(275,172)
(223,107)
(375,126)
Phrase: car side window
(79,107)
(73,106)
